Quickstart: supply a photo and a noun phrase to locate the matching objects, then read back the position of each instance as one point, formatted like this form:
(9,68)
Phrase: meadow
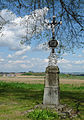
(17,98)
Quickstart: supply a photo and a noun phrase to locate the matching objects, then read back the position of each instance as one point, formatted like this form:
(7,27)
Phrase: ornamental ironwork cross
(53,43)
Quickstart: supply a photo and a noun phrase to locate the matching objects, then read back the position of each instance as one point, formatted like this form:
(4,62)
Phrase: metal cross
(53,43)
(53,24)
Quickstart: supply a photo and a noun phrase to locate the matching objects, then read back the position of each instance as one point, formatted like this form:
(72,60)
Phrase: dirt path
(38,80)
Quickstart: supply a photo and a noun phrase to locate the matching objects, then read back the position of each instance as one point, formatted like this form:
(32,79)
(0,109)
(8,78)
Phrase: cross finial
(53,43)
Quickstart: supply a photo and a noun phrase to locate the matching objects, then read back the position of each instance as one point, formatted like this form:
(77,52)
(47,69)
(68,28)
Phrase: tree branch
(68,11)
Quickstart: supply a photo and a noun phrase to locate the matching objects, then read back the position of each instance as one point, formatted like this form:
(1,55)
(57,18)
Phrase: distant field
(17,98)
(63,76)
(42,74)
(31,79)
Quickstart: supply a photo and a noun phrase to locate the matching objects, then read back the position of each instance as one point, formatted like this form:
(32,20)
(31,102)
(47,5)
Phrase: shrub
(38,114)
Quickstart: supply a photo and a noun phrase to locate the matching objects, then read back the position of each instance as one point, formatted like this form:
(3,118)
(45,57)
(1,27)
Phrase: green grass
(16,98)
(68,76)
(0,75)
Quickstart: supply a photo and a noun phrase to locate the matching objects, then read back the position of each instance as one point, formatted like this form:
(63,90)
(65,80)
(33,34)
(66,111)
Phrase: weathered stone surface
(51,96)
(51,90)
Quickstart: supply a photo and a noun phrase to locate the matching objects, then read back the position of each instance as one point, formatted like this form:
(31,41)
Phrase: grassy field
(16,98)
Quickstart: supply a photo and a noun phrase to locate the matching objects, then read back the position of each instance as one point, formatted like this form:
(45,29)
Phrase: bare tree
(71,12)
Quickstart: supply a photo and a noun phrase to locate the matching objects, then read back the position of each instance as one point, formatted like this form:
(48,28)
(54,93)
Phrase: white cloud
(37,64)
(69,65)
(15,62)
(9,56)
(39,61)
(6,16)
(1,60)
(65,54)
(83,51)
(42,46)
(80,56)
(63,61)
(23,57)
(79,62)
(25,66)
(21,52)
(17,28)
(14,30)
(45,60)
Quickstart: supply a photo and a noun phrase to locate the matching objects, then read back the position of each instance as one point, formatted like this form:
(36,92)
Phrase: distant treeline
(81,75)
(35,74)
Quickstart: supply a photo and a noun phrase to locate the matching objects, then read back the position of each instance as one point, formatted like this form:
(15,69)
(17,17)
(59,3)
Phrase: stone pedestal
(51,90)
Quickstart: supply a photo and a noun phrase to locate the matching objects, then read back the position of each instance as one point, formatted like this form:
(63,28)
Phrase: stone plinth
(51,90)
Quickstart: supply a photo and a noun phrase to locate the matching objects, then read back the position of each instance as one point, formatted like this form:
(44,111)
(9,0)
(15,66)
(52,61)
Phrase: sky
(17,57)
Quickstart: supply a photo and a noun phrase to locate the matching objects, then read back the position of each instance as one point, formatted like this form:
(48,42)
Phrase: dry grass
(23,80)
(38,80)
(71,81)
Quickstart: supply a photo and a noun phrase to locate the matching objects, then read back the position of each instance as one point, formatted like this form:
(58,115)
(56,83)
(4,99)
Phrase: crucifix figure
(53,43)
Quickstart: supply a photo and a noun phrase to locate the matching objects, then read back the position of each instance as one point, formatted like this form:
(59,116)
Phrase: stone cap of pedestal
(52,69)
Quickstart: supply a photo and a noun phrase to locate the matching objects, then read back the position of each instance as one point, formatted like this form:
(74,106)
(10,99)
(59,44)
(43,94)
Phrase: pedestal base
(51,90)
(51,96)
